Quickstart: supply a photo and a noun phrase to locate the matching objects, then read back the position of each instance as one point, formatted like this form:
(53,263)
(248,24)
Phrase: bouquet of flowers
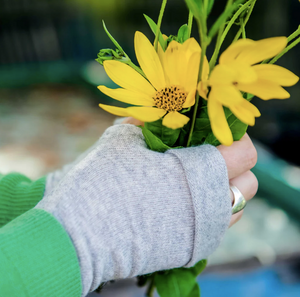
(185,100)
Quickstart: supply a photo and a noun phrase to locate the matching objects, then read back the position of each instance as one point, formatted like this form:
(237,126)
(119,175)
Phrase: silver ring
(239,201)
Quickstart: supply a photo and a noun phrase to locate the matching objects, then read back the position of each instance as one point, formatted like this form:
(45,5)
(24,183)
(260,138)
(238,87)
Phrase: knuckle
(253,184)
(251,156)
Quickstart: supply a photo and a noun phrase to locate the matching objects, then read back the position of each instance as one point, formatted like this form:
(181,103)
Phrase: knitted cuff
(212,215)
(18,194)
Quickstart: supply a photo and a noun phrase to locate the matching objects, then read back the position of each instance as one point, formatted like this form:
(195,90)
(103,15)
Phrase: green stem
(290,38)
(136,68)
(205,5)
(294,35)
(243,29)
(190,23)
(238,34)
(219,41)
(150,290)
(290,46)
(161,13)
(204,43)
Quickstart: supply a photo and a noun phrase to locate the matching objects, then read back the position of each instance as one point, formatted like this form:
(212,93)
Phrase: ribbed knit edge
(38,258)
(212,204)
(18,194)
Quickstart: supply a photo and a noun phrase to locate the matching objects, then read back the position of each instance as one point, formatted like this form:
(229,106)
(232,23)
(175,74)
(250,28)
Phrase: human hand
(131,211)
(240,157)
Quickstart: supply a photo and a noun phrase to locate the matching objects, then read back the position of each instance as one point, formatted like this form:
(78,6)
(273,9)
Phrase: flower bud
(110,54)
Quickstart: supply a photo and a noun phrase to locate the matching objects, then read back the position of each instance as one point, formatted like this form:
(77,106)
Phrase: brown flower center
(170,98)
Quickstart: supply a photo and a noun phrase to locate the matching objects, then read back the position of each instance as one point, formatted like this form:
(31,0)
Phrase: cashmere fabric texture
(131,211)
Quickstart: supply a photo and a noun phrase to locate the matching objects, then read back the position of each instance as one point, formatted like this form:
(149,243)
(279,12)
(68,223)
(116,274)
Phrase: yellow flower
(170,85)
(237,72)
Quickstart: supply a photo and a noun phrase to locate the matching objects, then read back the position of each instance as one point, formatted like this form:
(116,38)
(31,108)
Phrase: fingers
(240,157)
(247,184)
(132,121)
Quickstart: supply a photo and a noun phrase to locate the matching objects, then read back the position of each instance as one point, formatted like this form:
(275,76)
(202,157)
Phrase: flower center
(170,98)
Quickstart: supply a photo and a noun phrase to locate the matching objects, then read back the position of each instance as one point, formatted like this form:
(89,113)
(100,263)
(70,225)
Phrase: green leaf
(154,143)
(167,135)
(195,292)
(175,283)
(113,40)
(195,6)
(201,130)
(153,27)
(223,17)
(183,33)
(202,126)
(210,6)
(198,268)
(237,127)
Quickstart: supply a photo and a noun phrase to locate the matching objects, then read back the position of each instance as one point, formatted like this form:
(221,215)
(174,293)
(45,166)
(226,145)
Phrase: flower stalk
(223,32)
(294,35)
(238,34)
(190,23)
(150,289)
(289,47)
(204,43)
(161,14)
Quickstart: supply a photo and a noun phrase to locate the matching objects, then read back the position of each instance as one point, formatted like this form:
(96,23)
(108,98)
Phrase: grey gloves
(131,211)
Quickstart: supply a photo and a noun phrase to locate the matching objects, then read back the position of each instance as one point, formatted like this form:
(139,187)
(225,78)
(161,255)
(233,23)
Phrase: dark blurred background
(49,114)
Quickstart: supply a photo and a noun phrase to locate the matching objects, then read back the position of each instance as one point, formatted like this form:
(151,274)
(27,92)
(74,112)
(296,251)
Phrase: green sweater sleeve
(37,258)
(18,194)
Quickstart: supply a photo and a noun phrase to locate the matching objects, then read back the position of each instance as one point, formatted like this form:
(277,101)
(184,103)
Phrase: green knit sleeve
(38,258)
(18,194)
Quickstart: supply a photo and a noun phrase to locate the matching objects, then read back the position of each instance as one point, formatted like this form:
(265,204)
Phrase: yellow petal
(243,114)
(127,96)
(165,37)
(190,99)
(146,114)
(252,108)
(265,90)
(222,74)
(232,73)
(205,71)
(262,49)
(203,89)
(118,111)
(175,120)
(227,95)
(161,55)
(190,76)
(233,51)
(189,47)
(127,78)
(218,121)
(149,60)
(276,74)
(192,51)
(244,73)
(171,61)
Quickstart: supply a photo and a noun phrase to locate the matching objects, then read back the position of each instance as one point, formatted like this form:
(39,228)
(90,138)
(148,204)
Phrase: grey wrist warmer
(131,211)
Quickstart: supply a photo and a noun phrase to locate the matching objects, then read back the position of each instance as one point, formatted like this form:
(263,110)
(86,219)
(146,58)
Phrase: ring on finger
(239,201)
